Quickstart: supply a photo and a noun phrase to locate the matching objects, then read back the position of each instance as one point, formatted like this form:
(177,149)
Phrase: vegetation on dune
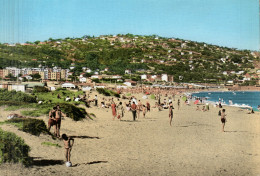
(29,125)
(49,99)
(107,92)
(13,149)
(50,144)
(15,97)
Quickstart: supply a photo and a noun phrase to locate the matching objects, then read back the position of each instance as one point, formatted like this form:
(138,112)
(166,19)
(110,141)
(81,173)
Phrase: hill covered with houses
(134,57)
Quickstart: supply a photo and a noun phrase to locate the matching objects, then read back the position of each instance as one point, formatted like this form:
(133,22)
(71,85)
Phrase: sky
(231,23)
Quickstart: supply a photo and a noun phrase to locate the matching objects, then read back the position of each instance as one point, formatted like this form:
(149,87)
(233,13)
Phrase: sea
(241,99)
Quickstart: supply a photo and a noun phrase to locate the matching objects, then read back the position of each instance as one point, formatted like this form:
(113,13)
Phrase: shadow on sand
(85,137)
(129,121)
(236,131)
(89,163)
(46,162)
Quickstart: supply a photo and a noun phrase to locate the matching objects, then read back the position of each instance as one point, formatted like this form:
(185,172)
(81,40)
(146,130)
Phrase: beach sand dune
(194,145)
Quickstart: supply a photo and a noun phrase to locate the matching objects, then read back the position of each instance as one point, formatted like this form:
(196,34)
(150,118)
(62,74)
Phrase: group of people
(118,110)
(55,116)
(55,120)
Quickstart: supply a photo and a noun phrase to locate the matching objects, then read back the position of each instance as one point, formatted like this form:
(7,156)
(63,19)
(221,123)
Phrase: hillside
(194,61)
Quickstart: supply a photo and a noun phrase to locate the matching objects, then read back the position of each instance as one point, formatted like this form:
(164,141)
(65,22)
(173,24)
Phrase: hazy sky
(232,23)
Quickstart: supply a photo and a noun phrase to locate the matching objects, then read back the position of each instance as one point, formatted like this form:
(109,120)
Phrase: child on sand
(68,143)
(223,119)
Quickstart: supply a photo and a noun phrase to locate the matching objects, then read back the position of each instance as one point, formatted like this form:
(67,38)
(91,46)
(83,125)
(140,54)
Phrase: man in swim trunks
(223,119)
(59,114)
(52,120)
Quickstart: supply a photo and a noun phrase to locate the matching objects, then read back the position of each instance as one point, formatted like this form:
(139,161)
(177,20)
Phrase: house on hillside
(164,77)
(247,77)
(127,71)
(144,77)
(27,77)
(82,79)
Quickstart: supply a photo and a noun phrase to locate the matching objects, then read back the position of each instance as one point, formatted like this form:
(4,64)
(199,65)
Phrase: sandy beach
(193,145)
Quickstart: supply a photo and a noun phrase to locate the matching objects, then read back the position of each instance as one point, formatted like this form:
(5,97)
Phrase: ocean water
(239,98)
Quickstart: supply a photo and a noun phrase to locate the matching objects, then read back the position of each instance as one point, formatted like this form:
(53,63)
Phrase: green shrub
(107,92)
(29,125)
(40,89)
(75,113)
(13,149)
(13,96)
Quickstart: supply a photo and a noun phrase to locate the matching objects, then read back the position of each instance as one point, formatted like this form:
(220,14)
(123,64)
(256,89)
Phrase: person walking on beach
(52,120)
(120,111)
(113,106)
(133,109)
(68,143)
(223,119)
(139,108)
(171,113)
(148,107)
(178,104)
(58,116)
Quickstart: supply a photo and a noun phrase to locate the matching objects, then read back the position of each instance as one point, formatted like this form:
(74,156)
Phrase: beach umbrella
(196,102)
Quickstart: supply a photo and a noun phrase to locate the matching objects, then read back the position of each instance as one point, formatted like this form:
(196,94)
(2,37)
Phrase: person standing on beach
(52,120)
(96,100)
(148,107)
(223,119)
(170,113)
(113,106)
(178,104)
(58,116)
(144,111)
(133,109)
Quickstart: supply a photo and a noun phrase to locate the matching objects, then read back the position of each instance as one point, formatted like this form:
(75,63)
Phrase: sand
(193,145)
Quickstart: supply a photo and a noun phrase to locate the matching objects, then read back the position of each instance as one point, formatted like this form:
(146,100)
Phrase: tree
(36,76)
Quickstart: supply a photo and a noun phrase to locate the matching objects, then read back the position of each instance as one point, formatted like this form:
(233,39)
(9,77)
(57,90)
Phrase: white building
(94,77)
(18,88)
(127,71)
(82,79)
(68,85)
(88,70)
(143,76)
(164,77)
(86,88)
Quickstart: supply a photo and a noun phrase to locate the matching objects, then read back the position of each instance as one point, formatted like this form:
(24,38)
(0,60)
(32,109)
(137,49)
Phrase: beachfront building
(68,85)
